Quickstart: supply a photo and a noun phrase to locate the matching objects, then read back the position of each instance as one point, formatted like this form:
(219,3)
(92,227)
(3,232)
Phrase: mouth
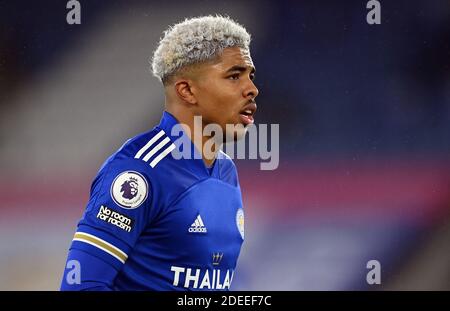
(247,113)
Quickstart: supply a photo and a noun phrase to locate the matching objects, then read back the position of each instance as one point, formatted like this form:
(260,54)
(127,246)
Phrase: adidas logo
(198,226)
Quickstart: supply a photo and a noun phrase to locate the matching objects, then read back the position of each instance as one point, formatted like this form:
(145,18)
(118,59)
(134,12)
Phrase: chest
(206,220)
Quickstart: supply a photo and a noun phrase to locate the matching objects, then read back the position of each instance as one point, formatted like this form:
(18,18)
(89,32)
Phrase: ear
(184,90)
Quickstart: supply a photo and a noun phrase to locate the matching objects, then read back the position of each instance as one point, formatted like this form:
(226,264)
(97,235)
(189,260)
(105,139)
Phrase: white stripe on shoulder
(162,155)
(156,149)
(149,144)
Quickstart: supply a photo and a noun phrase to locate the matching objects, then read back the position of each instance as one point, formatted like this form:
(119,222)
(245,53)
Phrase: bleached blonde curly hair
(196,40)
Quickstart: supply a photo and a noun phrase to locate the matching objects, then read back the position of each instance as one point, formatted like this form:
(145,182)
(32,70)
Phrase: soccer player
(156,220)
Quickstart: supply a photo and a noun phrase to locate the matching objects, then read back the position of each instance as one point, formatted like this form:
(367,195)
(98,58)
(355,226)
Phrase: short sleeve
(120,206)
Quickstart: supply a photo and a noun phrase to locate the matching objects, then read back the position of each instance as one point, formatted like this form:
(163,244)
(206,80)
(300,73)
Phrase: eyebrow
(241,68)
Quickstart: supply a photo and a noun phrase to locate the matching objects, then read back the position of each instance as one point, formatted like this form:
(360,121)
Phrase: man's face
(225,91)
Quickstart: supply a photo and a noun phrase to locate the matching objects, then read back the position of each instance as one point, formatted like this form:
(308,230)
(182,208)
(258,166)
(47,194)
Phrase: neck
(194,130)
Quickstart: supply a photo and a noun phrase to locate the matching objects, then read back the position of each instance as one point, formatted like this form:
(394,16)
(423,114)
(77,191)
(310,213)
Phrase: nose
(251,90)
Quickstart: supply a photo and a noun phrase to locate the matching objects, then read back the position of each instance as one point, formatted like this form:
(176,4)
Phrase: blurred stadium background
(364,114)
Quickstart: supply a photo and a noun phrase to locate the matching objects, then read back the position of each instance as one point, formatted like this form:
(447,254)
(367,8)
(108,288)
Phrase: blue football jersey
(158,221)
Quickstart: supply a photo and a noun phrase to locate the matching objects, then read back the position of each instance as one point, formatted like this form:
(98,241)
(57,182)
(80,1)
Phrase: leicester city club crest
(240,221)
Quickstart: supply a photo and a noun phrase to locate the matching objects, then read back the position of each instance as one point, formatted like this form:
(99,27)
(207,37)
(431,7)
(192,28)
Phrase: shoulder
(147,147)
(135,171)
(144,151)
(228,171)
(139,158)
(226,160)
(148,154)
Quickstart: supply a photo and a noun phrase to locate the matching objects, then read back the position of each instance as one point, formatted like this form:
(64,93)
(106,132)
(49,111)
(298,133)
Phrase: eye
(234,76)
(252,76)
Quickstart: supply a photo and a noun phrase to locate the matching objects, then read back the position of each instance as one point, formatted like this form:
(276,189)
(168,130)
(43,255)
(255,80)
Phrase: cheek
(216,98)
(228,98)
(219,101)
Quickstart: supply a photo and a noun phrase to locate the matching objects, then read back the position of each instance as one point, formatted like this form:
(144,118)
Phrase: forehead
(234,56)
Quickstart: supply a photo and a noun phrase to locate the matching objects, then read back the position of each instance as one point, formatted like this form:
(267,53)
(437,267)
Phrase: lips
(247,113)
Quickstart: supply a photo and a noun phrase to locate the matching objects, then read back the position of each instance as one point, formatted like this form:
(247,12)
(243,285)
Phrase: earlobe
(184,91)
